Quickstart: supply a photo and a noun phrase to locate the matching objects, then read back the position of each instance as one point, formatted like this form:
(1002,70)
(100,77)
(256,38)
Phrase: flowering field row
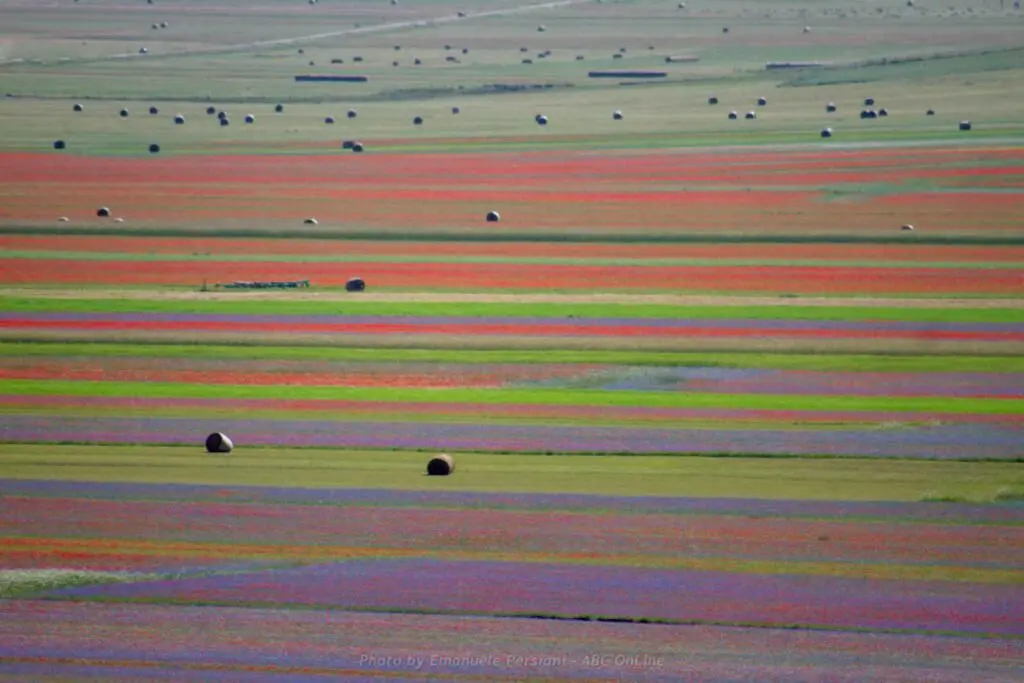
(957,441)
(43,641)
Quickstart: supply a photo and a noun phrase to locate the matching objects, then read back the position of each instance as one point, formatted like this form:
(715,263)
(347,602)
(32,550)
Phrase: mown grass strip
(554,397)
(853,479)
(774,361)
(458,309)
(509,260)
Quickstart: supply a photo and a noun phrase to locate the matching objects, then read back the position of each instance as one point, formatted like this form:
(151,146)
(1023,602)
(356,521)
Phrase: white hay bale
(219,443)
(908,226)
(441,465)
(310,221)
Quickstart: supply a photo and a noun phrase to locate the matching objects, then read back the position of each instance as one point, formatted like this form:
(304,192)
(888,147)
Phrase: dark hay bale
(218,443)
(417,61)
(465,50)
(397,48)
(351,113)
(907,227)
(541,28)
(751,115)
(447,47)
(310,221)
(224,122)
(460,14)
(869,101)
(357,147)
(312,63)
(143,51)
(493,217)
(337,60)
(329,120)
(761,101)
(733,115)
(456,110)
(830,107)
(441,465)
(417,121)
(451,60)
(301,51)
(965,125)
(211,111)
(883,112)
(394,63)
(154,148)
(579,58)
(59,144)
(616,56)
(154,111)
(541,120)
(712,100)
(355,284)
(347,144)
(249,118)
(357,58)
(527,61)
(103,212)
(222,115)
(155,27)
(77,107)
(617,115)
(179,120)
(826,133)
(279,108)
(725,29)
(124,113)
(868,114)
(930,112)
(163,24)
(523,49)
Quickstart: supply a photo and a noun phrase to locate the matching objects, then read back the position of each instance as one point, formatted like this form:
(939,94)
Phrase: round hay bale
(211,110)
(930,112)
(461,14)
(219,443)
(616,56)
(119,220)
(153,111)
(908,227)
(59,144)
(751,115)
(155,27)
(347,144)
(329,120)
(447,47)
(725,29)
(103,212)
(493,217)
(456,110)
(355,284)
(883,112)
(394,63)
(163,24)
(351,113)
(965,125)
(761,101)
(143,51)
(526,61)
(826,132)
(417,62)
(733,115)
(579,58)
(617,115)
(225,122)
(357,147)
(179,119)
(279,108)
(222,115)
(417,121)
(541,28)
(440,465)
(830,107)
(310,221)
(524,49)
(869,101)
(62,219)
(712,100)
(154,148)
(465,50)
(301,51)
(868,114)
(807,29)
(124,113)
(249,118)
(681,5)
(77,107)
(541,120)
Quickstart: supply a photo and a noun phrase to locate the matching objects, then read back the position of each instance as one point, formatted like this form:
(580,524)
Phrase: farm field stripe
(797,310)
(346,259)
(550,397)
(961,442)
(797,279)
(789,508)
(245,248)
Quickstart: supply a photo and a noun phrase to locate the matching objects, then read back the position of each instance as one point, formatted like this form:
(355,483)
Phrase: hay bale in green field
(219,443)
(441,465)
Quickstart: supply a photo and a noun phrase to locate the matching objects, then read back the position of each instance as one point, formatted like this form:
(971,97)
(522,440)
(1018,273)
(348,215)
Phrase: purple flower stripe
(430,321)
(628,592)
(234,644)
(930,442)
(743,507)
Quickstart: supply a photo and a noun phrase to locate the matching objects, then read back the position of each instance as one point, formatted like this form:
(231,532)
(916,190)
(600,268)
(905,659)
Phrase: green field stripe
(553,397)
(773,361)
(738,477)
(536,261)
(278,306)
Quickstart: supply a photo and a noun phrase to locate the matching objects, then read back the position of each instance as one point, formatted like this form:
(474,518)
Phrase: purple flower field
(927,442)
(571,591)
(51,641)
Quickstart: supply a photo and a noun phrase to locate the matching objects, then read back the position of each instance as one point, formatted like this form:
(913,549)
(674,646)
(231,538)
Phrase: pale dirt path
(362,30)
(314,294)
